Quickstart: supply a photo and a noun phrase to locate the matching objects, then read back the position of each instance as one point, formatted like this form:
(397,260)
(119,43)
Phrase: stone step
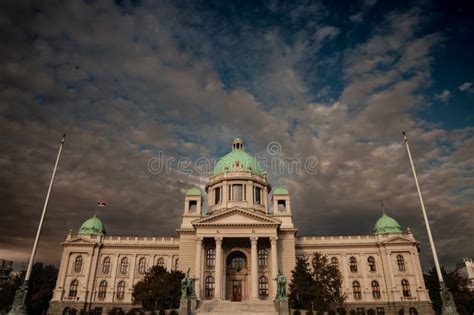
(234,308)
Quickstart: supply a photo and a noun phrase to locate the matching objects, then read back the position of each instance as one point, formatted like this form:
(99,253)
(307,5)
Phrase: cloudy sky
(336,81)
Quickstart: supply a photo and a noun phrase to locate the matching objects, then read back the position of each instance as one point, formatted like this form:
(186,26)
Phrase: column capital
(199,239)
(254,240)
(218,240)
(273,240)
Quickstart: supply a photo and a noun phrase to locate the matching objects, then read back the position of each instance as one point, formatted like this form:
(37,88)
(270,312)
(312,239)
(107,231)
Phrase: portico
(236,268)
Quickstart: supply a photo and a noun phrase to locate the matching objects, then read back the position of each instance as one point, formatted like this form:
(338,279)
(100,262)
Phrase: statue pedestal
(187,306)
(281,306)
(194,304)
(447,301)
(184,307)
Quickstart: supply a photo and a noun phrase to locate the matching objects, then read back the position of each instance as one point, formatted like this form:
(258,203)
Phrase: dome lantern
(238,144)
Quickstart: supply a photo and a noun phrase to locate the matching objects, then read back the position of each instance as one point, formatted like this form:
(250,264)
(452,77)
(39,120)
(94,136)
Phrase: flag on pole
(101,204)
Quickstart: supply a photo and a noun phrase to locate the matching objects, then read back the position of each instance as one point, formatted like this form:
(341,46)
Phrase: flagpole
(19,306)
(446,297)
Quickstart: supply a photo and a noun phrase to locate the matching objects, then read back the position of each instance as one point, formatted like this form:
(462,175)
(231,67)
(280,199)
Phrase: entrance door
(237,290)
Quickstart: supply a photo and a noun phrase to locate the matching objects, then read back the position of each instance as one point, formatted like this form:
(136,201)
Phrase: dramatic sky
(334,82)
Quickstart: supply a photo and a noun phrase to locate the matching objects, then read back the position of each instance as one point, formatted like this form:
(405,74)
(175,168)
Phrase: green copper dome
(280,191)
(238,155)
(194,191)
(92,226)
(386,225)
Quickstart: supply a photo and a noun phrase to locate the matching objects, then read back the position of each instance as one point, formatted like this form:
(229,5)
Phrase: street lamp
(19,307)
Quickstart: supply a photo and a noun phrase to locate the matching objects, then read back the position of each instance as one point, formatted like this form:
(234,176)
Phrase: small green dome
(92,226)
(386,225)
(238,155)
(280,191)
(194,191)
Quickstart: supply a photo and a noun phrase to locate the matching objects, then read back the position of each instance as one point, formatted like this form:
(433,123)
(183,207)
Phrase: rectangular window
(281,205)
(217,195)
(192,205)
(258,195)
(237,192)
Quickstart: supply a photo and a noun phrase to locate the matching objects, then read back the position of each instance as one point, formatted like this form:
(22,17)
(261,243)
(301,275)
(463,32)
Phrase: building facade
(466,267)
(235,246)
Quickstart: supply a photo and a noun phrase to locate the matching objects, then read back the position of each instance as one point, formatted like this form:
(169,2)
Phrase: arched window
(211,257)
(78,264)
(102,290)
(176,264)
(120,290)
(209,287)
(263,286)
(356,290)
(142,265)
(353,264)
(161,262)
(406,288)
(236,261)
(262,257)
(335,262)
(106,266)
(73,288)
(124,266)
(401,263)
(371,262)
(413,311)
(375,290)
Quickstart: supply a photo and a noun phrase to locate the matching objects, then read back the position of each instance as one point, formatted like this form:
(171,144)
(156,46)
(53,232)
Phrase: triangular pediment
(79,241)
(398,240)
(237,216)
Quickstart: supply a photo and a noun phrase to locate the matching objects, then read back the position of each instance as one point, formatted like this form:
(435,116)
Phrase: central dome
(237,160)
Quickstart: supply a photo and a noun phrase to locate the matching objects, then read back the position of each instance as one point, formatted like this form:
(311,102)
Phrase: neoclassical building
(235,246)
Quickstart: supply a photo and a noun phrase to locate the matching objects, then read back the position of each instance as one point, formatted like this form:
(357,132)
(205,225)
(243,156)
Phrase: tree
(316,286)
(457,284)
(40,288)
(159,289)
(7,293)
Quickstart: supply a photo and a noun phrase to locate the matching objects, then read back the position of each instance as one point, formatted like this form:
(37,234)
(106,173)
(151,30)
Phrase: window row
(211,258)
(101,292)
(353,266)
(124,265)
(357,292)
(237,192)
(380,311)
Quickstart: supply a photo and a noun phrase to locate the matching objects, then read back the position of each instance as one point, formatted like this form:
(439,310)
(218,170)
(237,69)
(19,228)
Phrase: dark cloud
(128,82)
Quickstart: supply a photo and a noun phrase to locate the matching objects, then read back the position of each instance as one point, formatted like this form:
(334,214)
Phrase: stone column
(218,269)
(254,269)
(197,267)
(274,268)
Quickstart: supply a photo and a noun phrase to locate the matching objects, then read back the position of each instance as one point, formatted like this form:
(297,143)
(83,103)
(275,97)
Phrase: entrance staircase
(214,307)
